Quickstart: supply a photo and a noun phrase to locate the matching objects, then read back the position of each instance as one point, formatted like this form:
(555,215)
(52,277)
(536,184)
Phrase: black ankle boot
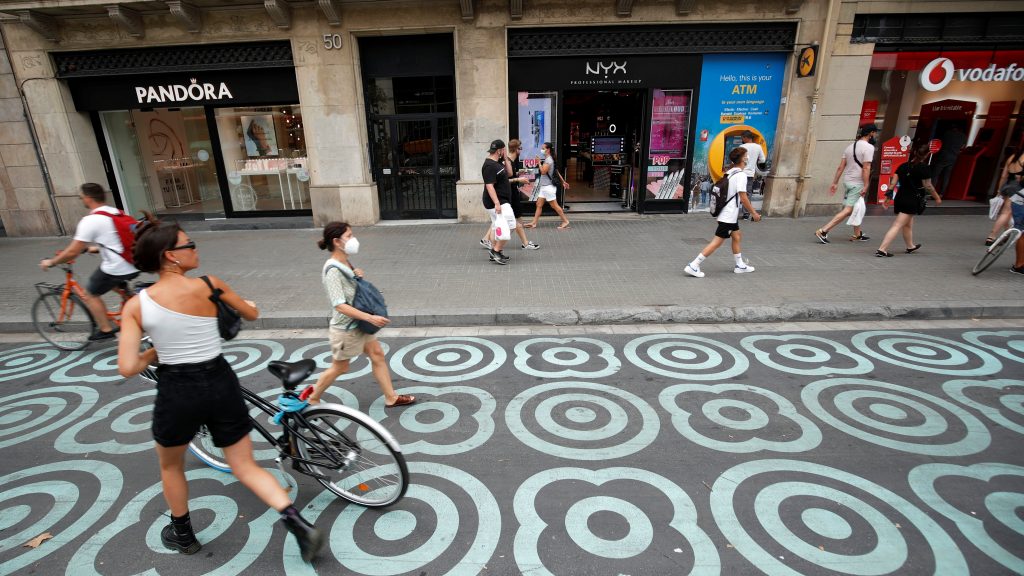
(310,539)
(178,535)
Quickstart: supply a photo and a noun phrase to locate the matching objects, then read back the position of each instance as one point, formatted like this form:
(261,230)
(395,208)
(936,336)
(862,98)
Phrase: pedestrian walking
(855,170)
(496,192)
(347,340)
(914,179)
(728,218)
(514,166)
(548,190)
(196,385)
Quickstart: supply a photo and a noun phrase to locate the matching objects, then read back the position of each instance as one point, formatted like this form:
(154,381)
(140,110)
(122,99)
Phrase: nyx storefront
(208,131)
(639,116)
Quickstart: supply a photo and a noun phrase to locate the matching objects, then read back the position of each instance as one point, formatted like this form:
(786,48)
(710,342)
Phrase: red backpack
(125,226)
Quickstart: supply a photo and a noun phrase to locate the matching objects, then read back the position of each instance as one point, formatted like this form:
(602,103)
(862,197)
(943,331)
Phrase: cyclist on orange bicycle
(99,229)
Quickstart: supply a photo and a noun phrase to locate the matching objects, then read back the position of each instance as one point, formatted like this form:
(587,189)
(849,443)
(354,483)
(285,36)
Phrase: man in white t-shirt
(728,218)
(99,230)
(855,169)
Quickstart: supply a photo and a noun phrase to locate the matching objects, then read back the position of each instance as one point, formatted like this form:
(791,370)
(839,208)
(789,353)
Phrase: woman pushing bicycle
(196,386)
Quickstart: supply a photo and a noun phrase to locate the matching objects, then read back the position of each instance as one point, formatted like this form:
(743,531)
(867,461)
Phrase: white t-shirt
(853,173)
(755,156)
(99,229)
(730,213)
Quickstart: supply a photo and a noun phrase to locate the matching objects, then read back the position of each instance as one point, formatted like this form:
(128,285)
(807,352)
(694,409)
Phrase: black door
(415,165)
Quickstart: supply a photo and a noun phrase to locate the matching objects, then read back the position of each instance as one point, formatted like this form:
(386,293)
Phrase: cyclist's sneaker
(310,539)
(1017,269)
(821,235)
(178,536)
(531,246)
(743,269)
(99,336)
(485,244)
(695,272)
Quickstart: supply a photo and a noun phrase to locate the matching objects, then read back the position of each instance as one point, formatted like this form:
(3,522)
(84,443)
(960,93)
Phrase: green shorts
(852,193)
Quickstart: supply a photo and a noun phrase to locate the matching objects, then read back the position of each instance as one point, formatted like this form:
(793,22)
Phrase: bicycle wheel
(1005,240)
(66,325)
(352,457)
(202,447)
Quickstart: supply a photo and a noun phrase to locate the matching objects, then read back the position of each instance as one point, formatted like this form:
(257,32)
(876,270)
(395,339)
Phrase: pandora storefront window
(265,157)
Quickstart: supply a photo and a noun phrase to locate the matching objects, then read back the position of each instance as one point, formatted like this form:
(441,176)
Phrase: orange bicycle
(61,316)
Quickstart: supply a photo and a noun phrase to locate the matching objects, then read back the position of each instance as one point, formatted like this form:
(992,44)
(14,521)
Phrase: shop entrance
(602,155)
(415,165)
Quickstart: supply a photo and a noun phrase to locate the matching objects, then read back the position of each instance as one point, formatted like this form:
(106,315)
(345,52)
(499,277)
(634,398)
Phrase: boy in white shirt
(728,218)
(114,269)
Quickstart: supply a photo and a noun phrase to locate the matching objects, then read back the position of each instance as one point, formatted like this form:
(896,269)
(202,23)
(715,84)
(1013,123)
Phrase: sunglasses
(190,245)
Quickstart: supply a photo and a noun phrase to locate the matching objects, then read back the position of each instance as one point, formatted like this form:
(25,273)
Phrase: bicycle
(60,315)
(343,449)
(992,253)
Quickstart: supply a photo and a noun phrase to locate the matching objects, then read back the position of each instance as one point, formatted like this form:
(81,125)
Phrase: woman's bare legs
(536,215)
(908,232)
(172,476)
(561,214)
(898,224)
(336,369)
(253,477)
(381,372)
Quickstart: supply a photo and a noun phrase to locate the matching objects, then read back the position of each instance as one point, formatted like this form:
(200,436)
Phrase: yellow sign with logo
(807,62)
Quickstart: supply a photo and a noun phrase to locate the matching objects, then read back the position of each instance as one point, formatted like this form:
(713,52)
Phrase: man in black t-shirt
(496,193)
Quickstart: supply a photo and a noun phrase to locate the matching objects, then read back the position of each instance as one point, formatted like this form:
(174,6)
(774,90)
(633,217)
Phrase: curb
(806,312)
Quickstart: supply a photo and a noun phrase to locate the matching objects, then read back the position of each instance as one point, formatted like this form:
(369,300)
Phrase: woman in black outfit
(915,182)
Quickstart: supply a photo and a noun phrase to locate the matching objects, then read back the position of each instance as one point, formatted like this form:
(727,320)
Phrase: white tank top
(179,338)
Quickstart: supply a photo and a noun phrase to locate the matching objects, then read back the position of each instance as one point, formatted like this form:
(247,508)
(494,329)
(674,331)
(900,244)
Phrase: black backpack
(720,194)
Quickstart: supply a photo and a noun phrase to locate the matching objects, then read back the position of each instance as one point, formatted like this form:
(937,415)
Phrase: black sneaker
(821,235)
(493,255)
(500,258)
(99,336)
(179,537)
(310,539)
(1017,269)
(861,238)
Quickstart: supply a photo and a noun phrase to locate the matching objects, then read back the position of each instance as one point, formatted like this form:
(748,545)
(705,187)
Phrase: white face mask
(352,246)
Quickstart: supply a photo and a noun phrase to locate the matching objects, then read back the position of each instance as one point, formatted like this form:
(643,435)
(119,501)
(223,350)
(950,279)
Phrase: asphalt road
(877,451)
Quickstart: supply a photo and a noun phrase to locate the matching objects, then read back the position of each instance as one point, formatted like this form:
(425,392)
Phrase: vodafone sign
(938,73)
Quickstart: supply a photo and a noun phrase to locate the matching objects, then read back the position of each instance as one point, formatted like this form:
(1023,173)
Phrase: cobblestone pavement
(604,269)
(883,448)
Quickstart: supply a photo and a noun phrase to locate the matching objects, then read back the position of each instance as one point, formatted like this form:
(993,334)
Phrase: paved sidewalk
(606,269)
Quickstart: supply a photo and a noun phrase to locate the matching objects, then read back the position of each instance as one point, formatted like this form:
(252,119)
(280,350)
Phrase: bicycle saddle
(292,374)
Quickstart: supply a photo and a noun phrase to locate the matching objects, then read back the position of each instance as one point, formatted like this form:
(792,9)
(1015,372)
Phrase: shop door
(415,166)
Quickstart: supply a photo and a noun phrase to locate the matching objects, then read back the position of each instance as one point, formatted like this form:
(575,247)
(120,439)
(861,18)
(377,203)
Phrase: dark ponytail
(152,239)
(331,231)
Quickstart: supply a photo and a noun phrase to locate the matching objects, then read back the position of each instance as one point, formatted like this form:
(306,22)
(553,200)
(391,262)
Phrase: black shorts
(725,229)
(100,282)
(191,395)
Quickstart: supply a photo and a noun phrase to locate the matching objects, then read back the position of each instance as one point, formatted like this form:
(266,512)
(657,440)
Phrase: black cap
(495,146)
(868,129)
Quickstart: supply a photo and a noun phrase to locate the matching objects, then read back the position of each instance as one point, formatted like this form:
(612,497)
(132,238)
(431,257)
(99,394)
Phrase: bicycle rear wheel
(1005,240)
(67,325)
(202,447)
(352,458)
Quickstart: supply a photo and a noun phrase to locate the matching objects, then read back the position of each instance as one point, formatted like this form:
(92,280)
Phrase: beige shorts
(347,344)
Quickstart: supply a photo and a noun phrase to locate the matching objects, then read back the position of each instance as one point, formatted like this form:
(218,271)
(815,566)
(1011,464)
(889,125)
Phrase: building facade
(384,109)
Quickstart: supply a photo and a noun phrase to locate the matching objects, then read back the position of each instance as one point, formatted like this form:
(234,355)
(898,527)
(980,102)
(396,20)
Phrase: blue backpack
(368,298)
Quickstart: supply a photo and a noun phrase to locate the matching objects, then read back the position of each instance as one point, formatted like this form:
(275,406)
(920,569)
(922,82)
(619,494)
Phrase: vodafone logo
(937,74)
(940,72)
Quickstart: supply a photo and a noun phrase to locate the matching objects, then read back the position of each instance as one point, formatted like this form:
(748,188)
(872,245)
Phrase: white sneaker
(695,272)
(743,269)
(486,244)
(531,246)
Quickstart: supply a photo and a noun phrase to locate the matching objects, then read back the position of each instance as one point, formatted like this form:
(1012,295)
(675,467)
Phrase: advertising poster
(535,122)
(260,137)
(737,92)
(895,153)
(670,123)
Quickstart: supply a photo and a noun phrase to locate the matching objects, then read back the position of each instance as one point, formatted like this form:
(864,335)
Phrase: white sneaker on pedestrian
(486,244)
(531,246)
(695,272)
(744,269)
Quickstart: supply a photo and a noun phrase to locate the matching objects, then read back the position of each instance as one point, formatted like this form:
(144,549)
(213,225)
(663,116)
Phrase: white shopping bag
(995,205)
(504,223)
(857,216)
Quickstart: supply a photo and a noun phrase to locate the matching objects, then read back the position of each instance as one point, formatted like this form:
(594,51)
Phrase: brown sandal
(402,400)
(564,226)
(531,225)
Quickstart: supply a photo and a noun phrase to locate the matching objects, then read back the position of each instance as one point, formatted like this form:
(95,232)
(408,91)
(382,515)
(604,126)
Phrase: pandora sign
(195,92)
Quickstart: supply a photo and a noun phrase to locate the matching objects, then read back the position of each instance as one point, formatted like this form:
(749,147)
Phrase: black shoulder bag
(229,321)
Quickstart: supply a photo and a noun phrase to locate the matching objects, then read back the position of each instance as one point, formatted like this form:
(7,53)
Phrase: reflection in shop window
(670,122)
(264,152)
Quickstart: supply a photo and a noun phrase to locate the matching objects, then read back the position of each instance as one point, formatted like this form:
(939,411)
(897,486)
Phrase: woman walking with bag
(1012,169)
(548,191)
(914,180)
(196,385)
(347,340)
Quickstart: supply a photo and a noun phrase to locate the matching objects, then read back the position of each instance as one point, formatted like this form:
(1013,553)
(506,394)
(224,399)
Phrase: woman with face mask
(548,191)
(347,340)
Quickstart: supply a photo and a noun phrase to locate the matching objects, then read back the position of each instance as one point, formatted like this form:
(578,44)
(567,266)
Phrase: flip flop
(989,241)
(564,227)
(914,249)
(402,400)
(883,254)
(529,225)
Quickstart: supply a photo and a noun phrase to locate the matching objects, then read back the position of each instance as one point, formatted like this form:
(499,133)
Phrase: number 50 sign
(332,41)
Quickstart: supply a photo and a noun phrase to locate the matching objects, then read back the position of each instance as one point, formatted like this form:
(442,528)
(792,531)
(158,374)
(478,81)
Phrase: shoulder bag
(367,299)
(229,321)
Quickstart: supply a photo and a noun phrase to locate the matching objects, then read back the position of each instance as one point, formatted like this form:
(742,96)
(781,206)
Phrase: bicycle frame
(71,286)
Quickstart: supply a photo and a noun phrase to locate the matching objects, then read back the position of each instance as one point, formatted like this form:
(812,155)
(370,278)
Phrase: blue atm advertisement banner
(738,92)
